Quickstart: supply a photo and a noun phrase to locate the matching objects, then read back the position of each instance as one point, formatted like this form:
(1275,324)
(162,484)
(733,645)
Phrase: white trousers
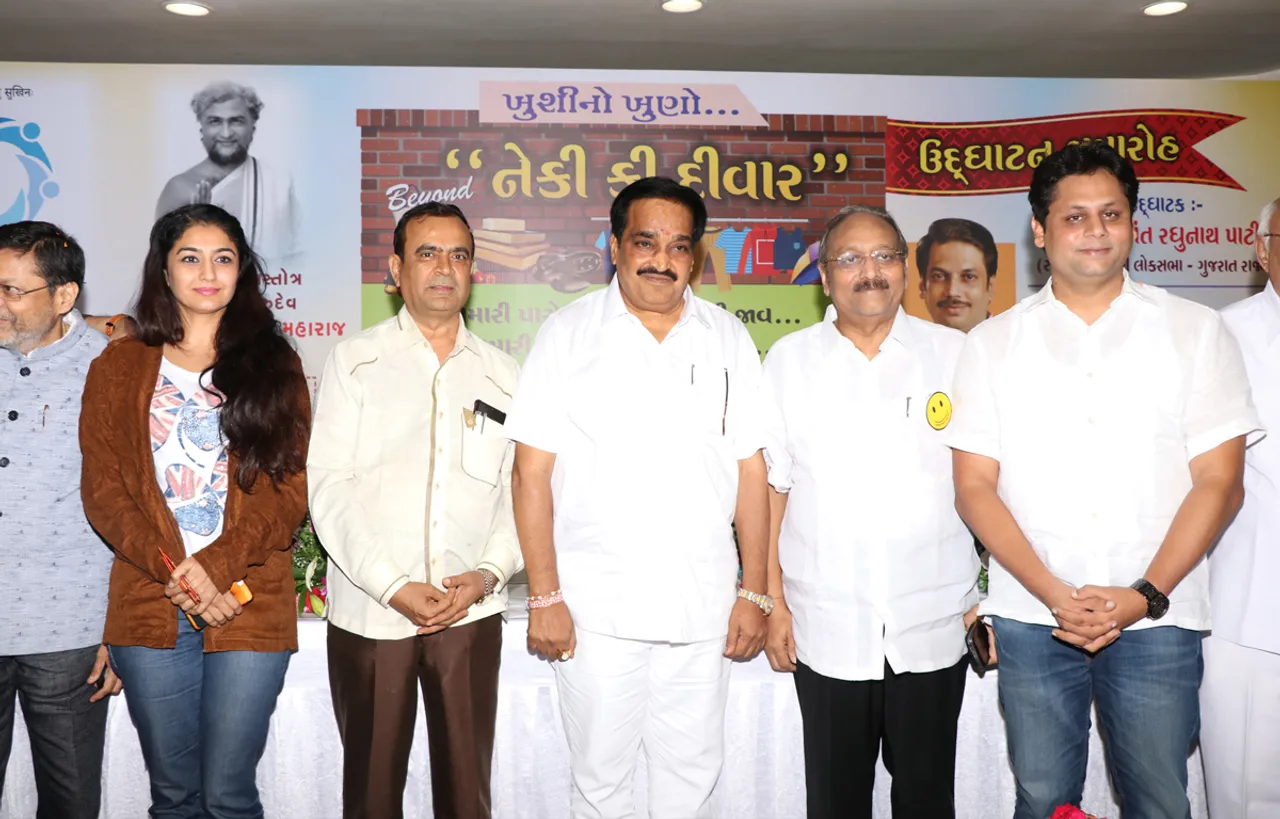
(1240,730)
(617,696)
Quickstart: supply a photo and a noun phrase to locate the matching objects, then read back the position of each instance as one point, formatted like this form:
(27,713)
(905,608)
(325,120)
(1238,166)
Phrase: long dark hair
(254,366)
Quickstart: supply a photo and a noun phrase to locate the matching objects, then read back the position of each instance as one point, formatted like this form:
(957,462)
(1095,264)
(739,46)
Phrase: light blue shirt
(55,568)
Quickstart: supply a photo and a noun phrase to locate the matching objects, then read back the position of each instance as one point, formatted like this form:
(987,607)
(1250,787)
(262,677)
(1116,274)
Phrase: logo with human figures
(27,153)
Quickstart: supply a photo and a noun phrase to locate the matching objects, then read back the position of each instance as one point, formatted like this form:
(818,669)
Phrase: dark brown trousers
(376,704)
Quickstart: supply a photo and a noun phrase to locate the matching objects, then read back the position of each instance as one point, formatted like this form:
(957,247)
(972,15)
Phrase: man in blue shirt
(54,566)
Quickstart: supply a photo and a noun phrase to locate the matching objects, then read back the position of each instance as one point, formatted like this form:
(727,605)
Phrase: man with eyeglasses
(871,569)
(1240,694)
(50,558)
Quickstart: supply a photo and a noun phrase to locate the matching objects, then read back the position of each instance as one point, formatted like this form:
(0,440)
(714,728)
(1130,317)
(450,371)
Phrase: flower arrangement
(310,566)
(1071,812)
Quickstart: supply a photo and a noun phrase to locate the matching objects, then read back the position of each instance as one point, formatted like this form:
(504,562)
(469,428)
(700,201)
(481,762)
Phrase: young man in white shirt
(1240,696)
(877,567)
(409,473)
(638,445)
(1099,435)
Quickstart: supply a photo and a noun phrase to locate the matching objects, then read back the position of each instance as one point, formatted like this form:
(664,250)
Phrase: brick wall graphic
(538,195)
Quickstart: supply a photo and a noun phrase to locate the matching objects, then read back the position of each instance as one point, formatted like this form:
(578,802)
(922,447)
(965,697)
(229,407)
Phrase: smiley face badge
(937,411)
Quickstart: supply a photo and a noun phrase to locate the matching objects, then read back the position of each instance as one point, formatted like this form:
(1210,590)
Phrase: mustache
(653,271)
(954,302)
(873,283)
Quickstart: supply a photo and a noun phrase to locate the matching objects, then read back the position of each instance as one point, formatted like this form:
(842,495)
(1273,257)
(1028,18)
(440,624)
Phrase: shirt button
(24,371)
(437,486)
(434,524)
(4,462)
(13,415)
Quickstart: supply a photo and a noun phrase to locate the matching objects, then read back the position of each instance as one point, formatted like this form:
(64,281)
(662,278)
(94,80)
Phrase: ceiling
(1072,38)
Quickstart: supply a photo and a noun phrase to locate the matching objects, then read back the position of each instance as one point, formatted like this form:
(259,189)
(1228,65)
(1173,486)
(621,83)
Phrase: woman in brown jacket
(194,438)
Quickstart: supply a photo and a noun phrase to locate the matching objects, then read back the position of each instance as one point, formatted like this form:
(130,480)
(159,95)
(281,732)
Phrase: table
(300,774)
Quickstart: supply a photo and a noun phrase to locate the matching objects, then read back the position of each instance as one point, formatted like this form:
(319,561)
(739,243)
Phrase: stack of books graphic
(505,242)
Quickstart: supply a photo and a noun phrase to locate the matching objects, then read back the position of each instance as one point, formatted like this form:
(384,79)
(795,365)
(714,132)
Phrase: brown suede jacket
(124,504)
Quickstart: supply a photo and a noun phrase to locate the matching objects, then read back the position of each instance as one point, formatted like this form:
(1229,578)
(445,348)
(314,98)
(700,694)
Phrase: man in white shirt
(1099,435)
(1240,696)
(409,472)
(638,438)
(871,569)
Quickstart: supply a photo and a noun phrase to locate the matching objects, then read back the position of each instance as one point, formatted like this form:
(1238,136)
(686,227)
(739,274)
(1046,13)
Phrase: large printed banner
(319,163)
(976,158)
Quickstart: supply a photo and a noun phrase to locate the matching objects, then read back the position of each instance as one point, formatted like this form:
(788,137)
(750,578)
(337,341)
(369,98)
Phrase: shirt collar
(408,335)
(74,328)
(1128,288)
(614,307)
(900,333)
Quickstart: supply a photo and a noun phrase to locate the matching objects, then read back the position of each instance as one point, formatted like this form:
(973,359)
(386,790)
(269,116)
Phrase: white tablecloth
(300,774)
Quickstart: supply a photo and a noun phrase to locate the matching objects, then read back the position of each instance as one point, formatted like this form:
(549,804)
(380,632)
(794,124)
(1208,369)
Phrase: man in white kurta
(1240,695)
(874,569)
(638,446)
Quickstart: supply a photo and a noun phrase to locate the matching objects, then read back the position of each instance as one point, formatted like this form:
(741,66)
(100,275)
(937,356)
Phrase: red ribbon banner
(976,158)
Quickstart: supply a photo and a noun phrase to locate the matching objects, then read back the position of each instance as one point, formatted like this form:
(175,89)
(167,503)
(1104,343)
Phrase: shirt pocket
(483,447)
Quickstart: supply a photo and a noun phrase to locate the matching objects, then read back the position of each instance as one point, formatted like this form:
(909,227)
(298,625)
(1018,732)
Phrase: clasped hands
(1092,617)
(432,609)
(215,608)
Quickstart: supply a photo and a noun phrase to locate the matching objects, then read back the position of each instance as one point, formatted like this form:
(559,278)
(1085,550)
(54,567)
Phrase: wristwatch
(489,582)
(764,601)
(1157,603)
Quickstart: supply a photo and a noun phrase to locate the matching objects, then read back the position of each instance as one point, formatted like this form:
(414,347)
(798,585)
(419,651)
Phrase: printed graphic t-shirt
(190,453)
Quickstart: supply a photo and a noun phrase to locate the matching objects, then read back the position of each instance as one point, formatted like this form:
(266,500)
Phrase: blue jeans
(1146,685)
(202,721)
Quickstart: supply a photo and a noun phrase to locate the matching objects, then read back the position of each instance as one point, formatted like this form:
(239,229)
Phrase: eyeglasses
(12,294)
(880,258)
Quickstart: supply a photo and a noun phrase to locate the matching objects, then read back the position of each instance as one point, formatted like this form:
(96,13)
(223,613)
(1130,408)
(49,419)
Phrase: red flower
(1068,812)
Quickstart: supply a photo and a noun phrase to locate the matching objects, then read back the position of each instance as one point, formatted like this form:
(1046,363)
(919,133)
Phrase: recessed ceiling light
(681,6)
(187,9)
(1164,9)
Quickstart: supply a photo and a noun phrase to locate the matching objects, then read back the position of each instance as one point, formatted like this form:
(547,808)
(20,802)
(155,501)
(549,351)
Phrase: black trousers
(846,724)
(67,731)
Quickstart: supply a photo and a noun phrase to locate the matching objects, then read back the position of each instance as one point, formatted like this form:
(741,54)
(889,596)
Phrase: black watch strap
(1157,603)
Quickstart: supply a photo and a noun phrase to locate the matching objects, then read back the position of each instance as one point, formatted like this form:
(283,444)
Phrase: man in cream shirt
(410,487)
(1240,696)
